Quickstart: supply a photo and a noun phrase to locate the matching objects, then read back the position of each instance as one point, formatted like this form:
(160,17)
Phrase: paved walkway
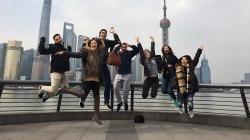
(120,130)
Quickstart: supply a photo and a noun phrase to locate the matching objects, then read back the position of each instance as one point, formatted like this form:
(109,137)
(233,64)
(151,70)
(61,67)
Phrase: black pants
(150,82)
(88,86)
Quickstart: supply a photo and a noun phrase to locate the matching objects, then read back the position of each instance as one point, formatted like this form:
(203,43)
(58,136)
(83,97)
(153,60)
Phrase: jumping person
(168,67)
(59,65)
(109,45)
(93,57)
(123,75)
(187,81)
(149,61)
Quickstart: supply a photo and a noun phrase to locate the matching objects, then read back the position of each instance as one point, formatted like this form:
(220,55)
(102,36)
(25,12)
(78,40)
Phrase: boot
(96,116)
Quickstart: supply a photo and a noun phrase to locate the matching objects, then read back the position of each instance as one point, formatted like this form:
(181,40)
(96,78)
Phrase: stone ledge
(219,120)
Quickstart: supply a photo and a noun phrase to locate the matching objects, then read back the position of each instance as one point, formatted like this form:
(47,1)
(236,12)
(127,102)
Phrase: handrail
(43,82)
(241,87)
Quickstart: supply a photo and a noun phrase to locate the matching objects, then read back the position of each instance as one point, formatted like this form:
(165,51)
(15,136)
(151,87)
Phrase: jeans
(167,87)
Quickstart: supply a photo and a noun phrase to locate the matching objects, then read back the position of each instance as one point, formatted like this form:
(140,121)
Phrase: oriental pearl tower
(165,24)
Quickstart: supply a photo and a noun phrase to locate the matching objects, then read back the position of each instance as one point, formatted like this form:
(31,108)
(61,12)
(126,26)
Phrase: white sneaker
(191,114)
(180,110)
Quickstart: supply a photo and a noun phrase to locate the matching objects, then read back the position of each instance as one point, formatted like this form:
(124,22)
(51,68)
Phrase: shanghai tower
(40,70)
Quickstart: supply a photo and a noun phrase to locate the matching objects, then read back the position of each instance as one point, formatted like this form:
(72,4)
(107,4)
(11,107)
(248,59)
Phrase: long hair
(166,45)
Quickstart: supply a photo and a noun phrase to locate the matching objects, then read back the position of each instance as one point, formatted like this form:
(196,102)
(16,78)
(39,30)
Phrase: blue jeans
(188,98)
(107,82)
(167,87)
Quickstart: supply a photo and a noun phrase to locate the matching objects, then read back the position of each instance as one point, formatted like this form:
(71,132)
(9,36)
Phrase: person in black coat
(168,67)
(59,65)
(109,45)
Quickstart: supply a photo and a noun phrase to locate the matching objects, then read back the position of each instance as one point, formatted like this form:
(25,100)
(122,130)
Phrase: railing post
(59,103)
(132,97)
(112,97)
(244,101)
(1,89)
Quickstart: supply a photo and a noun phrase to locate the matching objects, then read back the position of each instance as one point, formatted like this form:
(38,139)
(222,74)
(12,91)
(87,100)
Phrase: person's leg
(190,101)
(155,83)
(125,90)
(146,85)
(180,98)
(170,90)
(86,89)
(95,88)
(164,86)
(107,84)
(56,79)
(117,84)
(55,83)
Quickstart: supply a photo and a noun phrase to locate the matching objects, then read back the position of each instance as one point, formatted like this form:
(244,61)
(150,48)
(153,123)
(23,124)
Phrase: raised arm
(197,56)
(41,47)
(112,43)
(152,47)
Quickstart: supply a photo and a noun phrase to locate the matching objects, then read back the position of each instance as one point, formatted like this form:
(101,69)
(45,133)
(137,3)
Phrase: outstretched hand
(152,38)
(112,30)
(43,39)
(201,47)
(137,39)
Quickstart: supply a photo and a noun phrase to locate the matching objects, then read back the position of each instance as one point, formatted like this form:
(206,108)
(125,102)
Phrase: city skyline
(218,25)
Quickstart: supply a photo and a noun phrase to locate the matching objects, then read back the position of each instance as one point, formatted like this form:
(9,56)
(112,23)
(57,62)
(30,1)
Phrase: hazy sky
(222,26)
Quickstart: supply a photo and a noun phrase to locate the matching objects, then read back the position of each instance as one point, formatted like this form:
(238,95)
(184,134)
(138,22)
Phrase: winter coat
(186,78)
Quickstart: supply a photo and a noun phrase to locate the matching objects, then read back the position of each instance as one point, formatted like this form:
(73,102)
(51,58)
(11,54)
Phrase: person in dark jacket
(59,65)
(168,67)
(93,56)
(187,83)
(149,61)
(123,75)
(109,45)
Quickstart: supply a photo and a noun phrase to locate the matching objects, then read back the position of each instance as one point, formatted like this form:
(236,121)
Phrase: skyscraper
(27,63)
(40,70)
(137,70)
(3,48)
(203,73)
(79,46)
(70,39)
(13,60)
(246,78)
(165,24)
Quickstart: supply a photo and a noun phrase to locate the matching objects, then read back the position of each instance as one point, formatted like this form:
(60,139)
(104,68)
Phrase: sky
(221,26)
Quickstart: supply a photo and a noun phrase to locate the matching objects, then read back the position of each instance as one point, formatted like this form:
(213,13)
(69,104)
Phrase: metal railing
(224,99)
(21,96)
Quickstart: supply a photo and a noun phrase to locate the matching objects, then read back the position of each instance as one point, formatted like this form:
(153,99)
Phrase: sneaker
(180,110)
(126,106)
(119,107)
(191,114)
(97,120)
(45,98)
(41,93)
(81,103)
(107,104)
